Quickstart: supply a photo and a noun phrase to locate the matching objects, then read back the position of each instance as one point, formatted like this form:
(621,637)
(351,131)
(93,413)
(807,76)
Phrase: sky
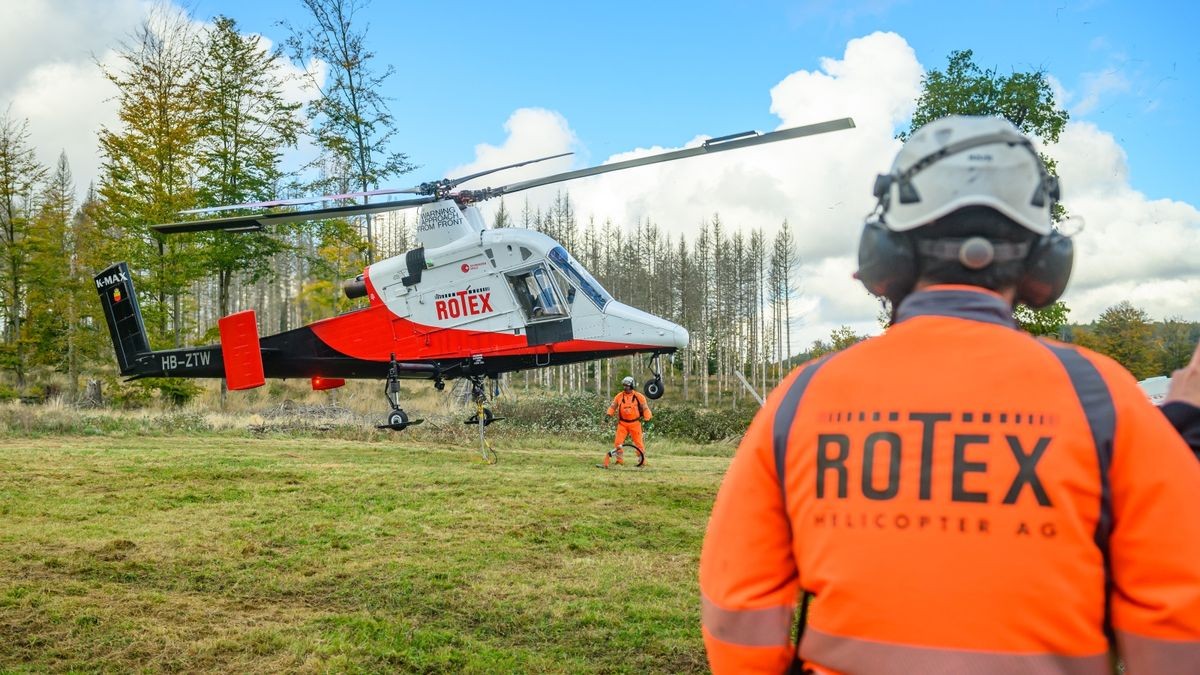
(481,84)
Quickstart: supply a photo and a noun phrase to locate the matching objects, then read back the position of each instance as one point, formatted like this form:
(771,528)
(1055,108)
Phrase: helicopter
(470,301)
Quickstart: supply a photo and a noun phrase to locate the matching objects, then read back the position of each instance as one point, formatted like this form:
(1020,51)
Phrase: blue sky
(635,74)
(483,84)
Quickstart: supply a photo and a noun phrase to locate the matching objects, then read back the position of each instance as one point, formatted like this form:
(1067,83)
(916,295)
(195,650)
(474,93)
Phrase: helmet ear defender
(1047,269)
(888,259)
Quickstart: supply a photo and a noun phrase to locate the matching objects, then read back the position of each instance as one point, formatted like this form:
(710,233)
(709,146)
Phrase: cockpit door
(547,317)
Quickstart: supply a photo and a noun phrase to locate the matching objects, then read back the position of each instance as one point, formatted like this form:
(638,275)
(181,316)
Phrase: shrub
(129,396)
(583,413)
(175,391)
(687,422)
(569,413)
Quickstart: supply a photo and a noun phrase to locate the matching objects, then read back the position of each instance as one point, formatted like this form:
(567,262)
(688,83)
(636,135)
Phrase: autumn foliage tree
(1124,333)
(149,162)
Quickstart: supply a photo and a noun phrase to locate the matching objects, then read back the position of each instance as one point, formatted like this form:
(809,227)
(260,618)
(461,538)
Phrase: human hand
(1185,382)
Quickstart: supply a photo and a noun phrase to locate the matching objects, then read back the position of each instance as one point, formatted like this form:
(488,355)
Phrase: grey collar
(958,303)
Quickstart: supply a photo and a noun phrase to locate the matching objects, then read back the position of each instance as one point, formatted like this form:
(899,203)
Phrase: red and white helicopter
(471,301)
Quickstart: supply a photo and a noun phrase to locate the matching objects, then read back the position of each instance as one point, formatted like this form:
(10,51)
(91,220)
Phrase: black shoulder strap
(785,416)
(1097,403)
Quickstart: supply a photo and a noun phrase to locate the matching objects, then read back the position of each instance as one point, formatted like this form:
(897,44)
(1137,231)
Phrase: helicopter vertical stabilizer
(240,347)
(123,315)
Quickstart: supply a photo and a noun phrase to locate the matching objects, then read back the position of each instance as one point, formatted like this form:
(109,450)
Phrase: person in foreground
(957,496)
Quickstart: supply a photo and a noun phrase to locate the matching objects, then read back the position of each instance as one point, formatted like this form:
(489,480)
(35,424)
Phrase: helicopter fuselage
(470,301)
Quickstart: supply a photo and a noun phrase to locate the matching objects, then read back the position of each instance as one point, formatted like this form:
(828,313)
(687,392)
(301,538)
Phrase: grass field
(220,552)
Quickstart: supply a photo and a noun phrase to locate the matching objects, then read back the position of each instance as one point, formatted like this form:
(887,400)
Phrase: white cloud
(532,133)
(821,184)
(49,73)
(1130,248)
(39,32)
(66,103)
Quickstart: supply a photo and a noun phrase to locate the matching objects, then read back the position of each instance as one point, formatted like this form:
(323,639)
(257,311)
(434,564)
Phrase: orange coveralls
(956,496)
(630,409)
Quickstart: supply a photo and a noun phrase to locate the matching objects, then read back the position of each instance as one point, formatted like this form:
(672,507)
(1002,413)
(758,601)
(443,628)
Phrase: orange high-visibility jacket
(631,407)
(956,496)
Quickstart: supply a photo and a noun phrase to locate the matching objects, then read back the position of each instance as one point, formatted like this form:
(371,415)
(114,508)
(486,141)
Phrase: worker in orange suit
(955,495)
(630,408)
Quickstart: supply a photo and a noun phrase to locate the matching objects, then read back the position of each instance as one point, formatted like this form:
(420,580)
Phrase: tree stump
(92,396)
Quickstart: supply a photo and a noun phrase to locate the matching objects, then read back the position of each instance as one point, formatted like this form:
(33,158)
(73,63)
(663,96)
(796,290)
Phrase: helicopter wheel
(653,388)
(398,418)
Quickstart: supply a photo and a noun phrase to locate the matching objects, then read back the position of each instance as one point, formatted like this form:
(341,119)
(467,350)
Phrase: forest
(204,122)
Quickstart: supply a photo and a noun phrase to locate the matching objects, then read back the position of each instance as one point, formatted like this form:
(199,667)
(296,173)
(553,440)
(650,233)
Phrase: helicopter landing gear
(482,417)
(654,386)
(397,419)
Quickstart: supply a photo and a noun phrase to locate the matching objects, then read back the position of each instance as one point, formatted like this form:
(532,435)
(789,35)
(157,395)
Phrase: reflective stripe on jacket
(957,496)
(629,407)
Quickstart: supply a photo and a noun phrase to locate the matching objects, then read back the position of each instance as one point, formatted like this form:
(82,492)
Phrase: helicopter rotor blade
(441,188)
(297,202)
(256,222)
(720,144)
(454,182)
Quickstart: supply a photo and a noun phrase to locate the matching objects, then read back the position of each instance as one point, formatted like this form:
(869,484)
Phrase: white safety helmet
(627,382)
(961,161)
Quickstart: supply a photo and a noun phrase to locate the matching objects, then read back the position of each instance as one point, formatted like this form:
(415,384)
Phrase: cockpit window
(536,294)
(579,277)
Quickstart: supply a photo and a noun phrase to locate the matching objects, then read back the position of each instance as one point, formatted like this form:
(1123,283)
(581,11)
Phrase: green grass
(205,552)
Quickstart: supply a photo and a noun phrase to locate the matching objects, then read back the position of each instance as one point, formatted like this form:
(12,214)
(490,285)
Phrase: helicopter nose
(681,337)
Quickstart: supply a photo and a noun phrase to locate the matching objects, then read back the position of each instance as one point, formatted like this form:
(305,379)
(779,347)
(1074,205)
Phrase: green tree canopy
(245,124)
(963,88)
(1176,340)
(1048,321)
(1023,98)
(839,339)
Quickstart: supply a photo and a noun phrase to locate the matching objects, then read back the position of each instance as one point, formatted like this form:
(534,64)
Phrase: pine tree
(502,218)
(53,315)
(20,175)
